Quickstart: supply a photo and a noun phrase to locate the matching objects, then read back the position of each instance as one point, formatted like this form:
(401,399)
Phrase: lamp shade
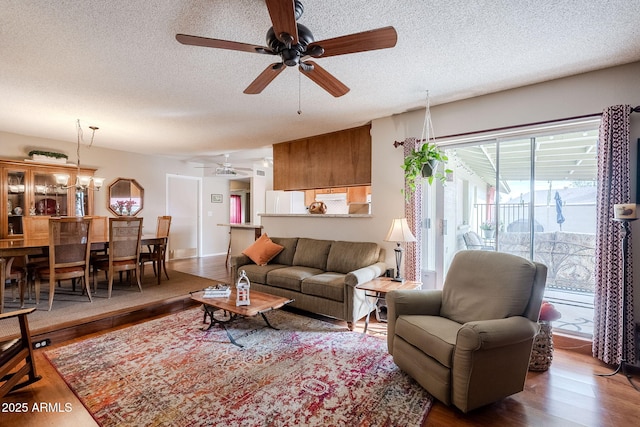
(84,180)
(400,232)
(62,179)
(98,182)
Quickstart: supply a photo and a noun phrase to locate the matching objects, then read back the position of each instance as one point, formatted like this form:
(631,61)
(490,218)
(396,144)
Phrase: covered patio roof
(564,157)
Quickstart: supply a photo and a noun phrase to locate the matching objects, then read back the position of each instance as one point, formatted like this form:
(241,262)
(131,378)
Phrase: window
(529,193)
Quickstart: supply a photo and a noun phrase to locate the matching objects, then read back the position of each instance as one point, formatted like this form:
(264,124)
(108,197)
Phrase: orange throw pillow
(263,250)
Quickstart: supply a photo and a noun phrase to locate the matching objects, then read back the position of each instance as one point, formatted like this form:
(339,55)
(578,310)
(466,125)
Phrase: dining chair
(14,274)
(157,254)
(35,227)
(123,253)
(69,255)
(16,355)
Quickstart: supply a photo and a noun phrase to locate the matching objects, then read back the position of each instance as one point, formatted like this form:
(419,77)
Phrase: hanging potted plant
(423,163)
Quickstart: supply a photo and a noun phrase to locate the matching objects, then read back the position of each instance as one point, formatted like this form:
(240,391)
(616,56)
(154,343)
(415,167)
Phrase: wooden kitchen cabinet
(357,194)
(29,189)
(337,159)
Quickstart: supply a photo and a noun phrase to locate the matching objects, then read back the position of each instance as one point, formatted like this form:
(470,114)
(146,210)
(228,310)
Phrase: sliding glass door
(533,196)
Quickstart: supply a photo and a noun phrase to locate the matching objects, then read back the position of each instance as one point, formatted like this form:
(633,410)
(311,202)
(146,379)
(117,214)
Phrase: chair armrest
(236,262)
(414,301)
(10,314)
(487,334)
(240,260)
(410,301)
(365,274)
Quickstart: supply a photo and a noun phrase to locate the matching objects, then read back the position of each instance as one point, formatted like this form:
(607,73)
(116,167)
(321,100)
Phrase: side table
(377,290)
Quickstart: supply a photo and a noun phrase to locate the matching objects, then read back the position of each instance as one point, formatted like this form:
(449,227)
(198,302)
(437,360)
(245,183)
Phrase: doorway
(532,196)
(183,204)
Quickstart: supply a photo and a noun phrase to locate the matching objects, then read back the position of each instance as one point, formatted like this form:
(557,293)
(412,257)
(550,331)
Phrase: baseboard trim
(115,319)
(572,343)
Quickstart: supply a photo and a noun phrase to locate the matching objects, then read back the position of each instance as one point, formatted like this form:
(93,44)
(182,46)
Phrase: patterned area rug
(168,372)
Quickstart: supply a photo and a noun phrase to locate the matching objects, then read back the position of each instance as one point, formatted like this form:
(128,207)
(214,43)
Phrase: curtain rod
(396,144)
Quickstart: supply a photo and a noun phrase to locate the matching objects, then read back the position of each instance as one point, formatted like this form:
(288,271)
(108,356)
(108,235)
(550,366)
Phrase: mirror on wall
(126,197)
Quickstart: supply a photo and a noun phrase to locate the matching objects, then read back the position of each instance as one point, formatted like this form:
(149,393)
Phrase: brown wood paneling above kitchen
(338,159)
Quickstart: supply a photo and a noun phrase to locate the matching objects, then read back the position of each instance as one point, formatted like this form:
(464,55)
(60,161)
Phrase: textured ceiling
(116,64)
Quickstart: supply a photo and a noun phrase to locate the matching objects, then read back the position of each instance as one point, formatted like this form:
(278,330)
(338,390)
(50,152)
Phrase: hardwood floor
(568,394)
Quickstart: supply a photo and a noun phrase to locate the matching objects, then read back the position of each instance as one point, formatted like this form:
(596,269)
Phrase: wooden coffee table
(378,288)
(260,304)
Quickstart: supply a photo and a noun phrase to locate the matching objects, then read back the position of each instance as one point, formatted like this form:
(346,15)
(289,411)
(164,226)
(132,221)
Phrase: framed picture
(216,198)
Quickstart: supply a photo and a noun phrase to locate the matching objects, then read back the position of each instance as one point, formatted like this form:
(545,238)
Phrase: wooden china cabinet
(29,189)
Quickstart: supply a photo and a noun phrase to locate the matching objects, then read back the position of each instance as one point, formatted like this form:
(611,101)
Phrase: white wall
(568,97)
(149,170)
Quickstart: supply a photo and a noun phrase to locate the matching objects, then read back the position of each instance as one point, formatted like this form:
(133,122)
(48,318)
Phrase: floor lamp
(622,366)
(399,232)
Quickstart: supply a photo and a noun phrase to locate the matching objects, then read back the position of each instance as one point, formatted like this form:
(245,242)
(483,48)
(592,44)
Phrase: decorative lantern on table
(542,351)
(242,290)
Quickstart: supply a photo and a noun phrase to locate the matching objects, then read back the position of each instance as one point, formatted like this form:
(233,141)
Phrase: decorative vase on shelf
(542,351)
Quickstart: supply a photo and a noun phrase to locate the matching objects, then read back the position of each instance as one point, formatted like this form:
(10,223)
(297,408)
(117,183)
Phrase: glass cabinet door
(48,197)
(15,201)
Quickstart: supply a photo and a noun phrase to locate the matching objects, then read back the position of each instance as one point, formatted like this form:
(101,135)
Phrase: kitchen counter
(318,215)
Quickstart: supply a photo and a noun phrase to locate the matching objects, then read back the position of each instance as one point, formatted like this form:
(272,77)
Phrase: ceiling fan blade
(324,79)
(221,44)
(283,18)
(381,38)
(266,77)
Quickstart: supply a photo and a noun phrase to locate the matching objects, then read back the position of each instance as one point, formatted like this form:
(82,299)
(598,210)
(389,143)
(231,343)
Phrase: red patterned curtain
(413,213)
(236,210)
(613,187)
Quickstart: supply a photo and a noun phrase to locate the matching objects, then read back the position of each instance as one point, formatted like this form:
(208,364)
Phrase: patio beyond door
(532,196)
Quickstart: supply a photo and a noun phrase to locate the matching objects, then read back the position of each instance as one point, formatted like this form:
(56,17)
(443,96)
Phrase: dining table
(12,248)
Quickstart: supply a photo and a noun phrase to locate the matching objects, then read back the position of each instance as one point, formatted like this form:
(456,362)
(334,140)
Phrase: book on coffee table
(219,291)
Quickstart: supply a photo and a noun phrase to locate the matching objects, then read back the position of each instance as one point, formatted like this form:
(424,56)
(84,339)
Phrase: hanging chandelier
(83,182)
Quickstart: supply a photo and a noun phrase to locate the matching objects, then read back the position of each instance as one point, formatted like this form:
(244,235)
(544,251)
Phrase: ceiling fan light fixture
(225,171)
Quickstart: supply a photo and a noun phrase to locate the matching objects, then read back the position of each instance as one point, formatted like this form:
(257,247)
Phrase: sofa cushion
(263,250)
(325,285)
(433,335)
(258,273)
(286,256)
(312,253)
(483,285)
(290,277)
(345,257)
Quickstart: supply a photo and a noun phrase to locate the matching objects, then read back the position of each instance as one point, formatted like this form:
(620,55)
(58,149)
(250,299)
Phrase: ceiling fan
(226,168)
(294,44)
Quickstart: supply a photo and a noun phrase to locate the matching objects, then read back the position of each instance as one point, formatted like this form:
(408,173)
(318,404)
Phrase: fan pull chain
(299,93)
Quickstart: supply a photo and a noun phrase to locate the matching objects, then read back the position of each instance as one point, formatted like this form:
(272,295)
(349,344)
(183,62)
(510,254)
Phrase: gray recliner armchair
(469,344)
